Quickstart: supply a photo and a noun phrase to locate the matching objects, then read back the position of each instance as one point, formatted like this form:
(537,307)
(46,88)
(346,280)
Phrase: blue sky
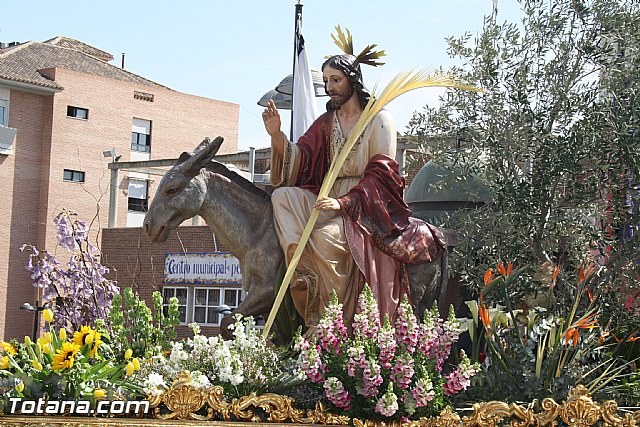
(238,50)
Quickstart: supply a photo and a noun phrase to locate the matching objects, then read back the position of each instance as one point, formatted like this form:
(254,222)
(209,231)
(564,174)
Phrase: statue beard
(341,98)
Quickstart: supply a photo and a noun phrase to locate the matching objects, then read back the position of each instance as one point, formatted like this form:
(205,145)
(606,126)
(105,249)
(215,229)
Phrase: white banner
(201,268)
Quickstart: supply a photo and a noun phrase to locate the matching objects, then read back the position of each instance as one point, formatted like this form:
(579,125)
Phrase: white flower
(154,385)
(199,342)
(236,379)
(178,354)
(199,380)
(195,328)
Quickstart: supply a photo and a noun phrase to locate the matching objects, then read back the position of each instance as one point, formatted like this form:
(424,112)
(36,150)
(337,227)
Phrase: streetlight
(36,314)
(113,186)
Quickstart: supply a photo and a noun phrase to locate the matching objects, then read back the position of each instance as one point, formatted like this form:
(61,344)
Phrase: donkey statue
(241,217)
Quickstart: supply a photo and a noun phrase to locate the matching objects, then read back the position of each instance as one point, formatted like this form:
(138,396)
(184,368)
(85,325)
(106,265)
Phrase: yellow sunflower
(8,348)
(96,343)
(85,335)
(64,357)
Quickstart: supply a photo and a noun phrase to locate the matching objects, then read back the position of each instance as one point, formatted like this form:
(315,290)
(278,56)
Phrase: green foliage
(555,135)
(136,327)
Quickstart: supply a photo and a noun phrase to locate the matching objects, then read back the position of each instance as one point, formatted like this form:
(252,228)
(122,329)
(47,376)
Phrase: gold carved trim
(579,410)
(185,405)
(185,402)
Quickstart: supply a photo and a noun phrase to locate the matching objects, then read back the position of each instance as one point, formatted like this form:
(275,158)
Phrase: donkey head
(181,191)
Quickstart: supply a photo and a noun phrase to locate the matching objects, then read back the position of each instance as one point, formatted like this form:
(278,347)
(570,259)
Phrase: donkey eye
(172,191)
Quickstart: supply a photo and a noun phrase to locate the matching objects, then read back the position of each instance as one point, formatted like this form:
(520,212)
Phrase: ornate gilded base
(184,405)
(43,421)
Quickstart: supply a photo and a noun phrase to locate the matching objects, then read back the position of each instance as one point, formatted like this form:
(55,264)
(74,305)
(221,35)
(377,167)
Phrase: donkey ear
(202,155)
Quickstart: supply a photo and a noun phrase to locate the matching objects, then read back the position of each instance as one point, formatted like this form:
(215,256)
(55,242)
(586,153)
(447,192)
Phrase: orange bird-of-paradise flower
(585,271)
(590,295)
(488,276)
(483,312)
(572,333)
(504,271)
(632,337)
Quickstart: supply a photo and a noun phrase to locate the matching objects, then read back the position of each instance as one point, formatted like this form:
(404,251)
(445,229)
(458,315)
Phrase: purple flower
(79,293)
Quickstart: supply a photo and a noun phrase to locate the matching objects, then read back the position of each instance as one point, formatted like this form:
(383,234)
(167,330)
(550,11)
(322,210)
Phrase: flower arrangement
(59,365)
(78,293)
(383,371)
(545,347)
(243,365)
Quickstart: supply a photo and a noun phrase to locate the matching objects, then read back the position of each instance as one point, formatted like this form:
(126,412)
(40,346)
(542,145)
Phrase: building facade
(65,114)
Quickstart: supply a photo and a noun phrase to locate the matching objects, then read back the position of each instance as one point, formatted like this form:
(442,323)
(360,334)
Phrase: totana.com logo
(76,407)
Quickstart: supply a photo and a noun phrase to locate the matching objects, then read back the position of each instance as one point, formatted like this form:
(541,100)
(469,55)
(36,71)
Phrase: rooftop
(23,62)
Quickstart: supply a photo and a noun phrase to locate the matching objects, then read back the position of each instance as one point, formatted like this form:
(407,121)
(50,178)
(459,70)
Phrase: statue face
(337,86)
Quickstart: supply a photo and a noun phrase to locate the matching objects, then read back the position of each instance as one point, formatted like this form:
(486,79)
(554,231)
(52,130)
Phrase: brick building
(63,108)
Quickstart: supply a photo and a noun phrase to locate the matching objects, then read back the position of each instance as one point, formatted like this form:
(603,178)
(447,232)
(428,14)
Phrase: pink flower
(428,333)
(371,378)
(423,392)
(366,322)
(357,359)
(387,405)
(331,329)
(336,393)
(460,378)
(310,361)
(450,335)
(406,326)
(387,344)
(402,372)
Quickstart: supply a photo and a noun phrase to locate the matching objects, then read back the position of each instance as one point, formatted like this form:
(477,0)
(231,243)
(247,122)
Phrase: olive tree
(555,134)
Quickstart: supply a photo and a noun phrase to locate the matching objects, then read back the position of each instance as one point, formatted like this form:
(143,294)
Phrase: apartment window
(77,112)
(73,176)
(141,135)
(181,294)
(138,190)
(206,300)
(4,112)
